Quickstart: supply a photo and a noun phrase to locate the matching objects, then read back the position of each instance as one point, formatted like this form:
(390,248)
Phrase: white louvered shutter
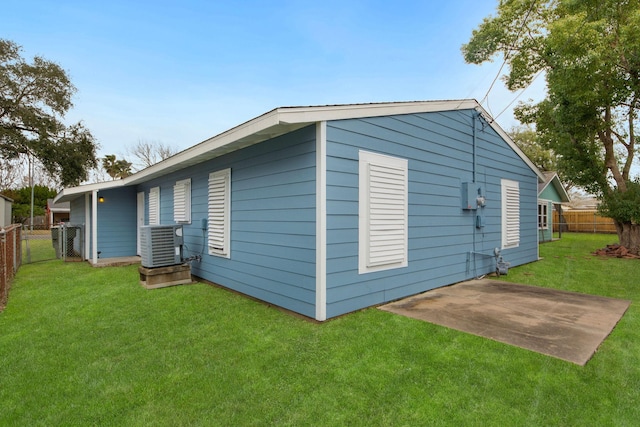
(510,214)
(182,201)
(154,206)
(383,212)
(387,216)
(219,212)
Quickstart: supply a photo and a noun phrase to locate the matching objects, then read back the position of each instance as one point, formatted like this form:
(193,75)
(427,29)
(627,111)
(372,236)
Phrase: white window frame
(154,206)
(182,201)
(219,213)
(510,213)
(383,212)
(543,215)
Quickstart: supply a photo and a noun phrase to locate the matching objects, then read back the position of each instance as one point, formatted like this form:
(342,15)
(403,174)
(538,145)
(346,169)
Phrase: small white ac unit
(160,245)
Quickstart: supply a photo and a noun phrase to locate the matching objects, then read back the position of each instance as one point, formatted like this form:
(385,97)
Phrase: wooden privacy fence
(10,258)
(583,222)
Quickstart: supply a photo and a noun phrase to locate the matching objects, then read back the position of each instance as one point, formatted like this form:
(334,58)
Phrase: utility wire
(507,55)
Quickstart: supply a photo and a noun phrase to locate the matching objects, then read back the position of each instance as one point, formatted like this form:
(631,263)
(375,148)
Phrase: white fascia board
(507,138)
(280,120)
(557,184)
(71,193)
(352,111)
(244,130)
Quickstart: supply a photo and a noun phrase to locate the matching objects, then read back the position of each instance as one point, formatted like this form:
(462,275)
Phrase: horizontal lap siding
(77,211)
(272,220)
(441,234)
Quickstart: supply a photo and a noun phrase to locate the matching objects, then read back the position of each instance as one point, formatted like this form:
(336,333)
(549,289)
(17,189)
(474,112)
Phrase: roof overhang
(72,193)
(279,122)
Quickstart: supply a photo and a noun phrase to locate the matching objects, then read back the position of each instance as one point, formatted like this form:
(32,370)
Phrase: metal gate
(68,241)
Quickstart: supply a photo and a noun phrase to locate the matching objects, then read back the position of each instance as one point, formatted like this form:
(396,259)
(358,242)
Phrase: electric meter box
(472,195)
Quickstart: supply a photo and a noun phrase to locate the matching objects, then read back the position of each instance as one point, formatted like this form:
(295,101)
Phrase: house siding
(272,254)
(442,236)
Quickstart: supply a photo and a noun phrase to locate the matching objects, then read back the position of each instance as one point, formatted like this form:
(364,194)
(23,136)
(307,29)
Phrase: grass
(85,346)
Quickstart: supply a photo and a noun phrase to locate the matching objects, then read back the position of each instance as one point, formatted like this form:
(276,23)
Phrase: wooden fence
(583,222)
(10,259)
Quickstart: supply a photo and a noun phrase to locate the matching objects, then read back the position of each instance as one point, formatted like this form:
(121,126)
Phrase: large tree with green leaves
(589,52)
(34,97)
(21,197)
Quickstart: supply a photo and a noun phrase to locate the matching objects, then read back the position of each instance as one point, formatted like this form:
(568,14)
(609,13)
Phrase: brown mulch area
(616,251)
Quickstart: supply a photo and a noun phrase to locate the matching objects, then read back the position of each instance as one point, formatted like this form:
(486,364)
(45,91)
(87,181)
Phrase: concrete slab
(566,325)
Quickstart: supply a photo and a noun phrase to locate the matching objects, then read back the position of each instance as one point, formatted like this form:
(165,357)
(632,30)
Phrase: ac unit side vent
(161,245)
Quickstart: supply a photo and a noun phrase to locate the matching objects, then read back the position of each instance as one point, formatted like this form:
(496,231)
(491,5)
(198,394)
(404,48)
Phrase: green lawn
(84,346)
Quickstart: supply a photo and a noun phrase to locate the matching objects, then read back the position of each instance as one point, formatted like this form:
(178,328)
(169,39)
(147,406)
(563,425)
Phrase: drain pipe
(473,160)
(474,116)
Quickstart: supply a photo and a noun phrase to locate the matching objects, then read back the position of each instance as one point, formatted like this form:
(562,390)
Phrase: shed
(551,195)
(329,209)
(5,210)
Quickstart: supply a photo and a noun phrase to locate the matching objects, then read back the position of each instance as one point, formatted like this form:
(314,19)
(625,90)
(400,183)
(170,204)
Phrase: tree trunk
(629,235)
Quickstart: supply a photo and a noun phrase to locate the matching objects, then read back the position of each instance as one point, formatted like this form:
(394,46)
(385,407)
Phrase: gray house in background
(326,210)
(5,211)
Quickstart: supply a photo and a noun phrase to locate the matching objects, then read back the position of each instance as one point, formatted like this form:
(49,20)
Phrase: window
(510,214)
(219,212)
(543,218)
(383,212)
(182,201)
(154,206)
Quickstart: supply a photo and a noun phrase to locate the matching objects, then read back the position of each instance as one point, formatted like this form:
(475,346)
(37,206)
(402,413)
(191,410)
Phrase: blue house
(326,210)
(551,195)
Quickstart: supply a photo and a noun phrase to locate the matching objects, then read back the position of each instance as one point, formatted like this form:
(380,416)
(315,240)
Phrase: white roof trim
(280,121)
(509,141)
(71,193)
(557,185)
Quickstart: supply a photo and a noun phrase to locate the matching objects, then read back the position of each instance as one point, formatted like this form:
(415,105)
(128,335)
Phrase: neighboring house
(57,213)
(5,211)
(551,194)
(326,210)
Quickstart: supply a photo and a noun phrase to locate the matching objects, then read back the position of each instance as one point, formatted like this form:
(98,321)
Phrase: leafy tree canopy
(21,197)
(589,51)
(116,168)
(34,97)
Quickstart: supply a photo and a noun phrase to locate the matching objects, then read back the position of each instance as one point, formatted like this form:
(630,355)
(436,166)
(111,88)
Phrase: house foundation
(161,277)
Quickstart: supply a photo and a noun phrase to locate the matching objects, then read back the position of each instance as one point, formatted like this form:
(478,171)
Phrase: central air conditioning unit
(160,245)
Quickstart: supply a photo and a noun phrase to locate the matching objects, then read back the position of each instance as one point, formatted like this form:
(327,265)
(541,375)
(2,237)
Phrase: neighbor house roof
(278,122)
(551,178)
(58,207)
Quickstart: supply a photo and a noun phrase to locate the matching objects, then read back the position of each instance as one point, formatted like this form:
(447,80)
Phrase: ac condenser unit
(160,245)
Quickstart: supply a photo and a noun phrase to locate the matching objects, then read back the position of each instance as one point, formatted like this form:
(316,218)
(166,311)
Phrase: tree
(150,152)
(34,97)
(589,53)
(21,208)
(116,168)
(10,174)
(526,139)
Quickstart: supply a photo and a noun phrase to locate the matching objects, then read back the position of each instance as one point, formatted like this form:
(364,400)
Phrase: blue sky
(180,72)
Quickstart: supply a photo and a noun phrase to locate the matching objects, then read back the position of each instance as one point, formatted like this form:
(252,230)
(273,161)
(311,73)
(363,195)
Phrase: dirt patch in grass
(616,251)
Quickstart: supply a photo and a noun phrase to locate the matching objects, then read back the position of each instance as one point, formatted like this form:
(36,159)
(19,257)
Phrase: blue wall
(272,220)
(273,211)
(442,236)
